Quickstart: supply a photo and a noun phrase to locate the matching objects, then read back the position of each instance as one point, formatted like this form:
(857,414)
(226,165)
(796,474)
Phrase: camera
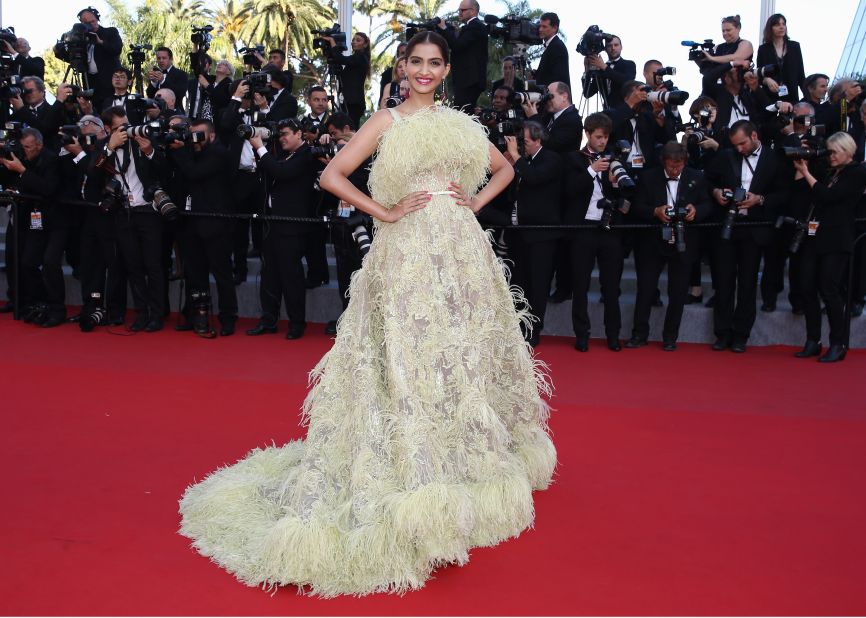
(539,97)
(69,133)
(593,41)
(768,70)
(78,91)
(393,101)
(360,224)
(675,231)
(804,153)
(328,150)
(248,55)
(514,29)
(11,137)
(161,202)
(696,53)
(731,197)
(8,35)
(97,316)
(414,28)
(150,130)
(618,156)
(180,132)
(136,55)
(325,46)
(261,128)
(201,39)
(259,83)
(113,196)
(800,229)
(72,47)
(673,97)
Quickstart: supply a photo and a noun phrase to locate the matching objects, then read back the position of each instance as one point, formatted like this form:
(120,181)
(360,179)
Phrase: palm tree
(229,21)
(287,24)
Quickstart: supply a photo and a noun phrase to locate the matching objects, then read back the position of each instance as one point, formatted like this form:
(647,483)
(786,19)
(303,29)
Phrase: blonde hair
(397,61)
(843,141)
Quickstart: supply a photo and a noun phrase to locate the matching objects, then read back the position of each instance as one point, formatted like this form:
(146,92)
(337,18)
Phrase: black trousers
(533,268)
(562,267)
(588,247)
(859,291)
(283,276)
(42,271)
(466,97)
(773,276)
(206,249)
(709,238)
(654,258)
(823,274)
(139,235)
(356,112)
(737,266)
(348,259)
(11,258)
(249,198)
(316,255)
(101,262)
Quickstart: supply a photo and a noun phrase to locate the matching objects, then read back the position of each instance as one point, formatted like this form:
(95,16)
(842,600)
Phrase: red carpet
(689,483)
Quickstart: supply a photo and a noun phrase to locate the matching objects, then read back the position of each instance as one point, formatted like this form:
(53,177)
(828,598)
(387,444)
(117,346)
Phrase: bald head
(168,96)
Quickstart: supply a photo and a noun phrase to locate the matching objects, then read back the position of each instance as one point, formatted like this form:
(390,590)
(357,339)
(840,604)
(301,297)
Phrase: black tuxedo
(33,65)
(738,259)
(650,134)
(356,68)
(564,132)
(106,57)
(611,80)
(175,80)
(538,203)
(589,245)
(46,118)
(133,114)
(206,242)
(750,102)
(655,253)
(283,106)
(468,61)
(791,72)
(553,66)
(519,86)
(217,95)
(290,183)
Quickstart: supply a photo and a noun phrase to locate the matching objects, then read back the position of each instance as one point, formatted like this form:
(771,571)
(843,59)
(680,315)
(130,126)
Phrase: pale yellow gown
(427,428)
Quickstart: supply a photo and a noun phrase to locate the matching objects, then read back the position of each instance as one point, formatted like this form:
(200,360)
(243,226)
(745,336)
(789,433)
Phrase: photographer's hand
(144,145)
(602,165)
(719,197)
(784,107)
(203,82)
(325,138)
(751,201)
(74,148)
(13,164)
(260,100)
(751,80)
(530,109)
(691,212)
(709,144)
(242,89)
(17,102)
(596,61)
(9,49)
(86,105)
(659,212)
(117,139)
(410,203)
(64,91)
(256,142)
(511,148)
(772,85)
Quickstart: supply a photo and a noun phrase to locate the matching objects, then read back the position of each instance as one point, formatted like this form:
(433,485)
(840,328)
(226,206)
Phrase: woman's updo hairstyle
(430,37)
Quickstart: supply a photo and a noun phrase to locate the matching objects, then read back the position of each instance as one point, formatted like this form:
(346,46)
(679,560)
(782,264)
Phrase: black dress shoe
(74,318)
(262,329)
(52,321)
(183,327)
(693,299)
(581,345)
(227,328)
(669,346)
(721,344)
(614,345)
(295,332)
(635,342)
(768,306)
(812,348)
(153,325)
(835,353)
(7,308)
(856,310)
(331,328)
(559,297)
(738,346)
(140,322)
(118,321)
(711,302)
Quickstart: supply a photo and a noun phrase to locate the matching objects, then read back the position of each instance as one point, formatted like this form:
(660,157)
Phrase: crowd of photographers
(776,173)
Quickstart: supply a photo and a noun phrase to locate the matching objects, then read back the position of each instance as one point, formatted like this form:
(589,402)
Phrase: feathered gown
(427,431)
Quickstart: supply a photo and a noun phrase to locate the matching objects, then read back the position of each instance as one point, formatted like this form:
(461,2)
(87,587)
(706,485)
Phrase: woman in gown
(427,428)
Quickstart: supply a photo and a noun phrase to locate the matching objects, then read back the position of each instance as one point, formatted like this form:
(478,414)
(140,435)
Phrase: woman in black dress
(777,49)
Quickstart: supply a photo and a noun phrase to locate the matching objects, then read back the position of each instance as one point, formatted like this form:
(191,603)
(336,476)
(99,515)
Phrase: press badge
(188,206)
(36,220)
(813,227)
(637,161)
(783,90)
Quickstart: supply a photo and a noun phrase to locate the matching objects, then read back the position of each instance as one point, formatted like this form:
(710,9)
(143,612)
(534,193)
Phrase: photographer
(120,82)
(828,244)
(206,242)
(24,63)
(858,294)
(290,182)
(815,88)
(738,96)
(103,53)
(72,103)
(752,183)
(339,126)
(509,78)
(468,55)
(393,88)
(166,75)
(553,65)
(101,303)
(538,202)
(642,124)
(388,80)
(166,105)
(846,96)
(317,104)
(41,236)
(592,197)
(785,55)
(561,118)
(136,166)
(612,75)
(675,195)
(283,105)
(356,70)
(34,111)
(733,52)
(205,96)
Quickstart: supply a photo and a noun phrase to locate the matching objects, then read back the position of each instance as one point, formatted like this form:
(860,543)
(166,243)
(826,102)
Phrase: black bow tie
(673,179)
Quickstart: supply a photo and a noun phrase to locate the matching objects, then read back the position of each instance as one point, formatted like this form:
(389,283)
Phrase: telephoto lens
(248,132)
(163,204)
